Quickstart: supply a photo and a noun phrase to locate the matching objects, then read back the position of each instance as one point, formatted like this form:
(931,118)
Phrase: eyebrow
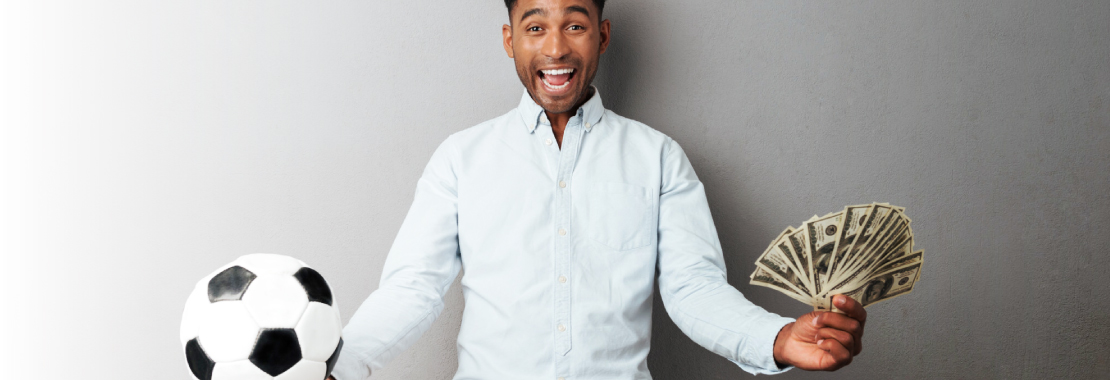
(575,8)
(533,11)
(567,11)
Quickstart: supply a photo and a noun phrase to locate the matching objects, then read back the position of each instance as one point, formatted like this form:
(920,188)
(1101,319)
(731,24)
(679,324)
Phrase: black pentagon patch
(199,362)
(334,357)
(276,351)
(230,284)
(314,285)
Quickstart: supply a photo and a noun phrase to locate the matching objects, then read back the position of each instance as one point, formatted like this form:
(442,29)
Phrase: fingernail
(814,321)
(819,342)
(840,301)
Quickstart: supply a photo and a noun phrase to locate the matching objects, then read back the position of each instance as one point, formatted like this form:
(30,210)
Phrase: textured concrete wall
(145,143)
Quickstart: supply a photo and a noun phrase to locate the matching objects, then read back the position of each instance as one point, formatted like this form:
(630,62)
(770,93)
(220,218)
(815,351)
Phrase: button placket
(563,243)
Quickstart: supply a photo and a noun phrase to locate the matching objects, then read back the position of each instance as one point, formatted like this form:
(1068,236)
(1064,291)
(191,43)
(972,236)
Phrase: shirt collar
(532,113)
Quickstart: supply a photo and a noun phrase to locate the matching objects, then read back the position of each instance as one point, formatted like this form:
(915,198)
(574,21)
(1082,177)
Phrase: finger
(855,310)
(847,340)
(844,323)
(850,307)
(840,355)
(839,322)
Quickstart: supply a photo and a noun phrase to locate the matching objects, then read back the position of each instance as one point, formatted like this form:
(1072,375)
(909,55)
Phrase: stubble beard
(528,76)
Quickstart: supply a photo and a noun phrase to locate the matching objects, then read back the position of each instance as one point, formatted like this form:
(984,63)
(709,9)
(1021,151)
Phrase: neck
(559,120)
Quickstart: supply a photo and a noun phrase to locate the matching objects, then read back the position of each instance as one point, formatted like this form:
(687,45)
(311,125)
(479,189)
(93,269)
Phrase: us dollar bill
(872,226)
(794,244)
(909,259)
(854,216)
(875,251)
(778,263)
(853,280)
(820,238)
(898,247)
(773,242)
(887,285)
(863,251)
(763,277)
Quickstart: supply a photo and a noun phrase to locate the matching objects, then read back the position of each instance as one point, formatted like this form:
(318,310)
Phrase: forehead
(550,8)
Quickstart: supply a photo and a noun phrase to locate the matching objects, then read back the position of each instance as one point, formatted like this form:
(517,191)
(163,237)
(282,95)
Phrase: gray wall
(145,143)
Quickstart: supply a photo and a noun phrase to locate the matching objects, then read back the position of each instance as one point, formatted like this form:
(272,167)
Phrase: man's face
(556,45)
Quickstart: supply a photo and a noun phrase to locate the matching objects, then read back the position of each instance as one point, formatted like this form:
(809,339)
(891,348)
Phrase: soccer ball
(262,316)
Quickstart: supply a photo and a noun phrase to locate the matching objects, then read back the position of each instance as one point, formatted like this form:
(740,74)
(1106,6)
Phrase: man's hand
(823,341)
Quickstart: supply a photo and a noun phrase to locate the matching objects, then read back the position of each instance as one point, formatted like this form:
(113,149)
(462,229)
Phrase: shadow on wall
(621,62)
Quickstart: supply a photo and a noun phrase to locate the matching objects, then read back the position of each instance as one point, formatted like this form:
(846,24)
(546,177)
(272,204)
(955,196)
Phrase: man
(561,212)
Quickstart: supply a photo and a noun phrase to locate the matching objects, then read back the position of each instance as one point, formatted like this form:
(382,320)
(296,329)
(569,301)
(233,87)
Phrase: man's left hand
(823,341)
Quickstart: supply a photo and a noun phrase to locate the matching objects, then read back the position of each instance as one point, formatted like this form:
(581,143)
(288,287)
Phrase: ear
(507,39)
(605,25)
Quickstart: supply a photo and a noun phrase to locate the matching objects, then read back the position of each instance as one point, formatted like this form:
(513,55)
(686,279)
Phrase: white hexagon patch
(227,331)
(305,369)
(276,301)
(240,370)
(318,331)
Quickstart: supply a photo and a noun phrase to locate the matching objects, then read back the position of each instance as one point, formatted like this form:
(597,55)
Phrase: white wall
(143,144)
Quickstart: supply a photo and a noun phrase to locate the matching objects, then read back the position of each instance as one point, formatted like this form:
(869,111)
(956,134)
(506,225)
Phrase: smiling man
(561,212)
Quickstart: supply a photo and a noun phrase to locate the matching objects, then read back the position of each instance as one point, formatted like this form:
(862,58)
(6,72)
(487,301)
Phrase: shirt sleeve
(692,280)
(422,264)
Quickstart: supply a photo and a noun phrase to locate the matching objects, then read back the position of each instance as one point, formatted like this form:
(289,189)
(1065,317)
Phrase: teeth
(557,72)
(554,87)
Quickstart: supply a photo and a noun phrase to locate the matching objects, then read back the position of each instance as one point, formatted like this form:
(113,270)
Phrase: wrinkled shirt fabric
(559,249)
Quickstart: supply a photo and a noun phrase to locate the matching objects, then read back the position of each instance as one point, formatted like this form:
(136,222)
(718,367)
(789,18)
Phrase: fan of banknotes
(864,252)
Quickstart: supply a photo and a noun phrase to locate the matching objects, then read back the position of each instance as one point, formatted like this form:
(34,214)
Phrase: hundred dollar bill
(887,285)
(909,259)
(872,225)
(782,252)
(772,245)
(777,262)
(895,228)
(898,246)
(820,240)
(796,245)
(800,260)
(864,251)
(765,278)
(855,279)
(854,217)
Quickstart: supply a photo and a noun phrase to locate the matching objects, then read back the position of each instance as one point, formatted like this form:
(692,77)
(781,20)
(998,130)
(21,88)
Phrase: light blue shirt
(559,248)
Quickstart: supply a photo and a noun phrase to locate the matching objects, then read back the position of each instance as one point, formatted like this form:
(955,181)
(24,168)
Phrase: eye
(533,29)
(577,27)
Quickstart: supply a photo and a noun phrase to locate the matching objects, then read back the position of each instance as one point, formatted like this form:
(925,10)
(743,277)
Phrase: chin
(561,104)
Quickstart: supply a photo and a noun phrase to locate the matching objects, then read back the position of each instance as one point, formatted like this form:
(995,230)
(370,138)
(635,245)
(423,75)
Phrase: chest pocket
(619,215)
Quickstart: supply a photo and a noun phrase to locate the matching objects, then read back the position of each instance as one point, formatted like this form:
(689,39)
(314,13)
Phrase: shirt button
(562,328)
(587,125)
(563,279)
(547,142)
(562,232)
(562,183)
(561,378)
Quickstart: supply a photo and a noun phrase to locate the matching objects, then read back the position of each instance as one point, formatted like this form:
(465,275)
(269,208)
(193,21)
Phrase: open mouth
(557,80)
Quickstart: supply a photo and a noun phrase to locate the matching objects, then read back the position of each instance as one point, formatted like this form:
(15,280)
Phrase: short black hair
(512,3)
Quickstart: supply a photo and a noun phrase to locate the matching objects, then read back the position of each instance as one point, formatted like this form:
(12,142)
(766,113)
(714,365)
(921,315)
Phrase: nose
(555,46)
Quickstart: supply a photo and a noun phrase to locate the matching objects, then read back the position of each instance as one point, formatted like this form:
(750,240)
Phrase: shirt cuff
(350,367)
(760,351)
